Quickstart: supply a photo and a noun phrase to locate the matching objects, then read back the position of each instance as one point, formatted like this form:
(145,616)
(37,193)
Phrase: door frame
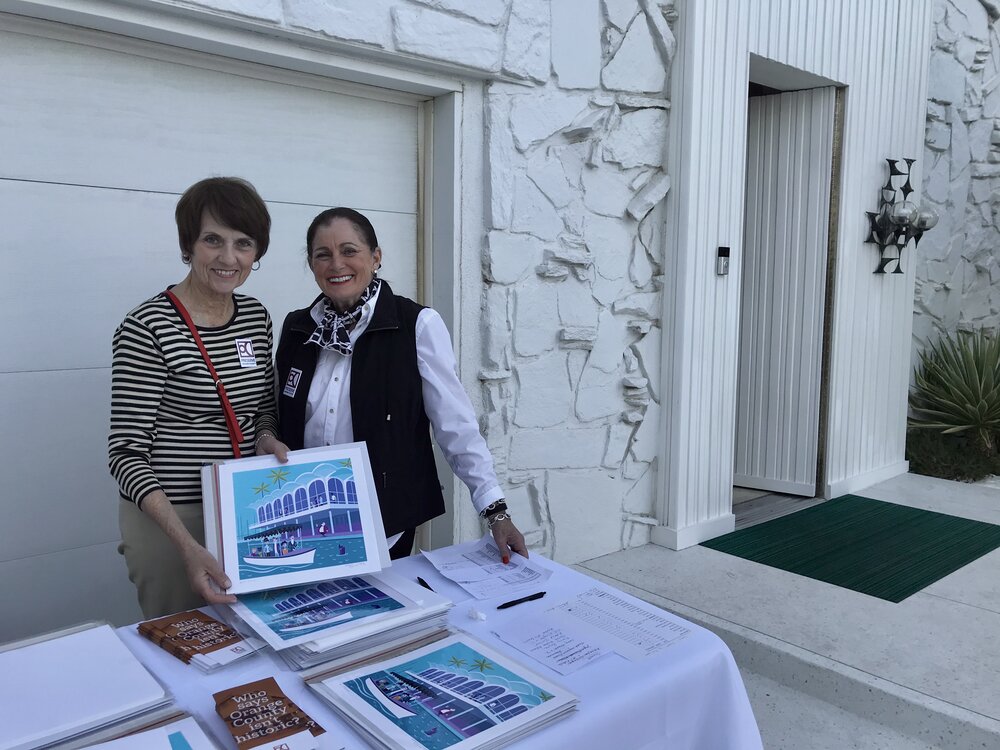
(833,243)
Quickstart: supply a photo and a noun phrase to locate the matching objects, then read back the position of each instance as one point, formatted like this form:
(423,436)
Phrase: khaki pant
(154,564)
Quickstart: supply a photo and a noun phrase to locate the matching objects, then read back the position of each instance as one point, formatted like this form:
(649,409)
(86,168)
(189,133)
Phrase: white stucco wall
(566,107)
(958,262)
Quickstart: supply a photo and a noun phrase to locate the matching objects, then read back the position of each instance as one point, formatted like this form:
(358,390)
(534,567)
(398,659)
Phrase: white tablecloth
(689,697)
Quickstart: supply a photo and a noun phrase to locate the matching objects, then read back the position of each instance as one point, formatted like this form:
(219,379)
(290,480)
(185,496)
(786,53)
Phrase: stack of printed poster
(199,639)
(303,544)
(314,518)
(73,688)
(344,620)
(456,693)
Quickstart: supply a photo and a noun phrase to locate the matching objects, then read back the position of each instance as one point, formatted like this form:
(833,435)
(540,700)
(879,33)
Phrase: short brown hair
(229,200)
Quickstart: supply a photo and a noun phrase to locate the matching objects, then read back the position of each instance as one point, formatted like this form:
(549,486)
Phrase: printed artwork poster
(457,693)
(311,519)
(298,614)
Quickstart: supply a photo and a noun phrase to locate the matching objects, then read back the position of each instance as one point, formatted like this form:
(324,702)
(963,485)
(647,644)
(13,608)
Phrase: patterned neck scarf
(333,332)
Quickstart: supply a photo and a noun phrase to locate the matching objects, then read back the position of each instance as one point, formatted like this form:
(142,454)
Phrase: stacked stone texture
(958,262)
(571,266)
(576,122)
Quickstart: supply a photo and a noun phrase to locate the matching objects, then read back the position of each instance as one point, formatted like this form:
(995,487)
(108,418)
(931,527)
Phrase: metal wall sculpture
(897,220)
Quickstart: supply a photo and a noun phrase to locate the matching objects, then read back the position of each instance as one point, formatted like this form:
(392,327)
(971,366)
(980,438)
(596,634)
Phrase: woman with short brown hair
(167,417)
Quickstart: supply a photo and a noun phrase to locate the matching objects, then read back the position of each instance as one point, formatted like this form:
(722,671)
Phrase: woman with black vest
(362,363)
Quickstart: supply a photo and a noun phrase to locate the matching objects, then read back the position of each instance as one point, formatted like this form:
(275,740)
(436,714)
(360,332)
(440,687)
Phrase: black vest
(387,406)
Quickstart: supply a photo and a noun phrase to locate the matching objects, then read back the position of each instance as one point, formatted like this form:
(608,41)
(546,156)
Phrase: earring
(185,258)
(255,266)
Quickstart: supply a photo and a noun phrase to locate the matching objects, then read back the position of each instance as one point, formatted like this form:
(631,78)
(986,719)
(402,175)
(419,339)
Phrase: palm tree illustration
(456,662)
(482,665)
(545,696)
(278,476)
(262,488)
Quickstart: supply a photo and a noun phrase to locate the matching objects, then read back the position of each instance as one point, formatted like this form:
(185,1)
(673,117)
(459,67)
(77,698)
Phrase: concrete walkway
(927,668)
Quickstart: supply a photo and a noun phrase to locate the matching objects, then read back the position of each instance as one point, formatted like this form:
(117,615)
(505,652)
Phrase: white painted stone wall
(572,250)
(958,262)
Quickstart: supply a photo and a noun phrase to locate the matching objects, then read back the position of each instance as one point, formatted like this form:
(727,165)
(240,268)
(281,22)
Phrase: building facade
(557,177)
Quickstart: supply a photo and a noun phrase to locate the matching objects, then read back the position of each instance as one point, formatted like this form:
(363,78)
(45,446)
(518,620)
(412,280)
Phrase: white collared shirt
(328,406)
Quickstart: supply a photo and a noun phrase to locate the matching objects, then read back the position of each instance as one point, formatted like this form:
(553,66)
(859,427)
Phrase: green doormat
(881,549)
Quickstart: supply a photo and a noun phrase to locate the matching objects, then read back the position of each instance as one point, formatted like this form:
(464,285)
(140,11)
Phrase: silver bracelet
(497,506)
(497,517)
(261,436)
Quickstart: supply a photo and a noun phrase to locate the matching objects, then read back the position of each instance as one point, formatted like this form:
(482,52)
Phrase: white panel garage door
(98,137)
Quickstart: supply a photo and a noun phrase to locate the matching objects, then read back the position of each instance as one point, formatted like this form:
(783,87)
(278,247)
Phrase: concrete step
(791,720)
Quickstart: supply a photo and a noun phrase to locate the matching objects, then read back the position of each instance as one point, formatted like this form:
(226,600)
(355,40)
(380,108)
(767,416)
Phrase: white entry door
(789,164)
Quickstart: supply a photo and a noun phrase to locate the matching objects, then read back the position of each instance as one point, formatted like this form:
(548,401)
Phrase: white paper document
(562,646)
(78,680)
(477,568)
(632,629)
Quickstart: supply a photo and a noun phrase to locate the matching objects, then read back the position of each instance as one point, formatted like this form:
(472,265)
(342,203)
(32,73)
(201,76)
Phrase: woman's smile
(221,258)
(342,263)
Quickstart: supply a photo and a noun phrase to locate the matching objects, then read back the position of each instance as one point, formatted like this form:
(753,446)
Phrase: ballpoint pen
(522,600)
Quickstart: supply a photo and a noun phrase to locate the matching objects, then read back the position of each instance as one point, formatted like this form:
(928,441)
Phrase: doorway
(791,159)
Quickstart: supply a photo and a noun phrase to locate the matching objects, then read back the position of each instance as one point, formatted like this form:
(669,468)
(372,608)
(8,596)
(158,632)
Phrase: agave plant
(957,388)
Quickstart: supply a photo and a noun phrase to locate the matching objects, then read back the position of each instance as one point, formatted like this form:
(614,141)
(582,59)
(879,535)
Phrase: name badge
(244,348)
(292,383)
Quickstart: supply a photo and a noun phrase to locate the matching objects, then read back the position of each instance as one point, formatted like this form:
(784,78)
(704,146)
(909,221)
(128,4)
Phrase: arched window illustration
(501,703)
(277,508)
(470,686)
(336,491)
(301,501)
(352,492)
(317,493)
(260,515)
(289,505)
(486,693)
(518,709)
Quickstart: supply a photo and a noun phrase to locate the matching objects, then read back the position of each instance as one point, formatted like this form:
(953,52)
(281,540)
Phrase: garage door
(99,135)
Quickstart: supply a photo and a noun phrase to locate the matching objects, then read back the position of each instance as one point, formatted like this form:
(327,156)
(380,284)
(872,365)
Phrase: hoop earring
(255,266)
(185,259)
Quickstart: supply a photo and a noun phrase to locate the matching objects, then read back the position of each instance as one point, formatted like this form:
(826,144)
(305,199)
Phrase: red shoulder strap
(235,434)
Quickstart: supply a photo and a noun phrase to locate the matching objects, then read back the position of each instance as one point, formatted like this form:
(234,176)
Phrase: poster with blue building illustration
(457,693)
(313,518)
(299,614)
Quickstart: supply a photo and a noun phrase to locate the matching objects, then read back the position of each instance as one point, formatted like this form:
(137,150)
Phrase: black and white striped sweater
(166,418)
